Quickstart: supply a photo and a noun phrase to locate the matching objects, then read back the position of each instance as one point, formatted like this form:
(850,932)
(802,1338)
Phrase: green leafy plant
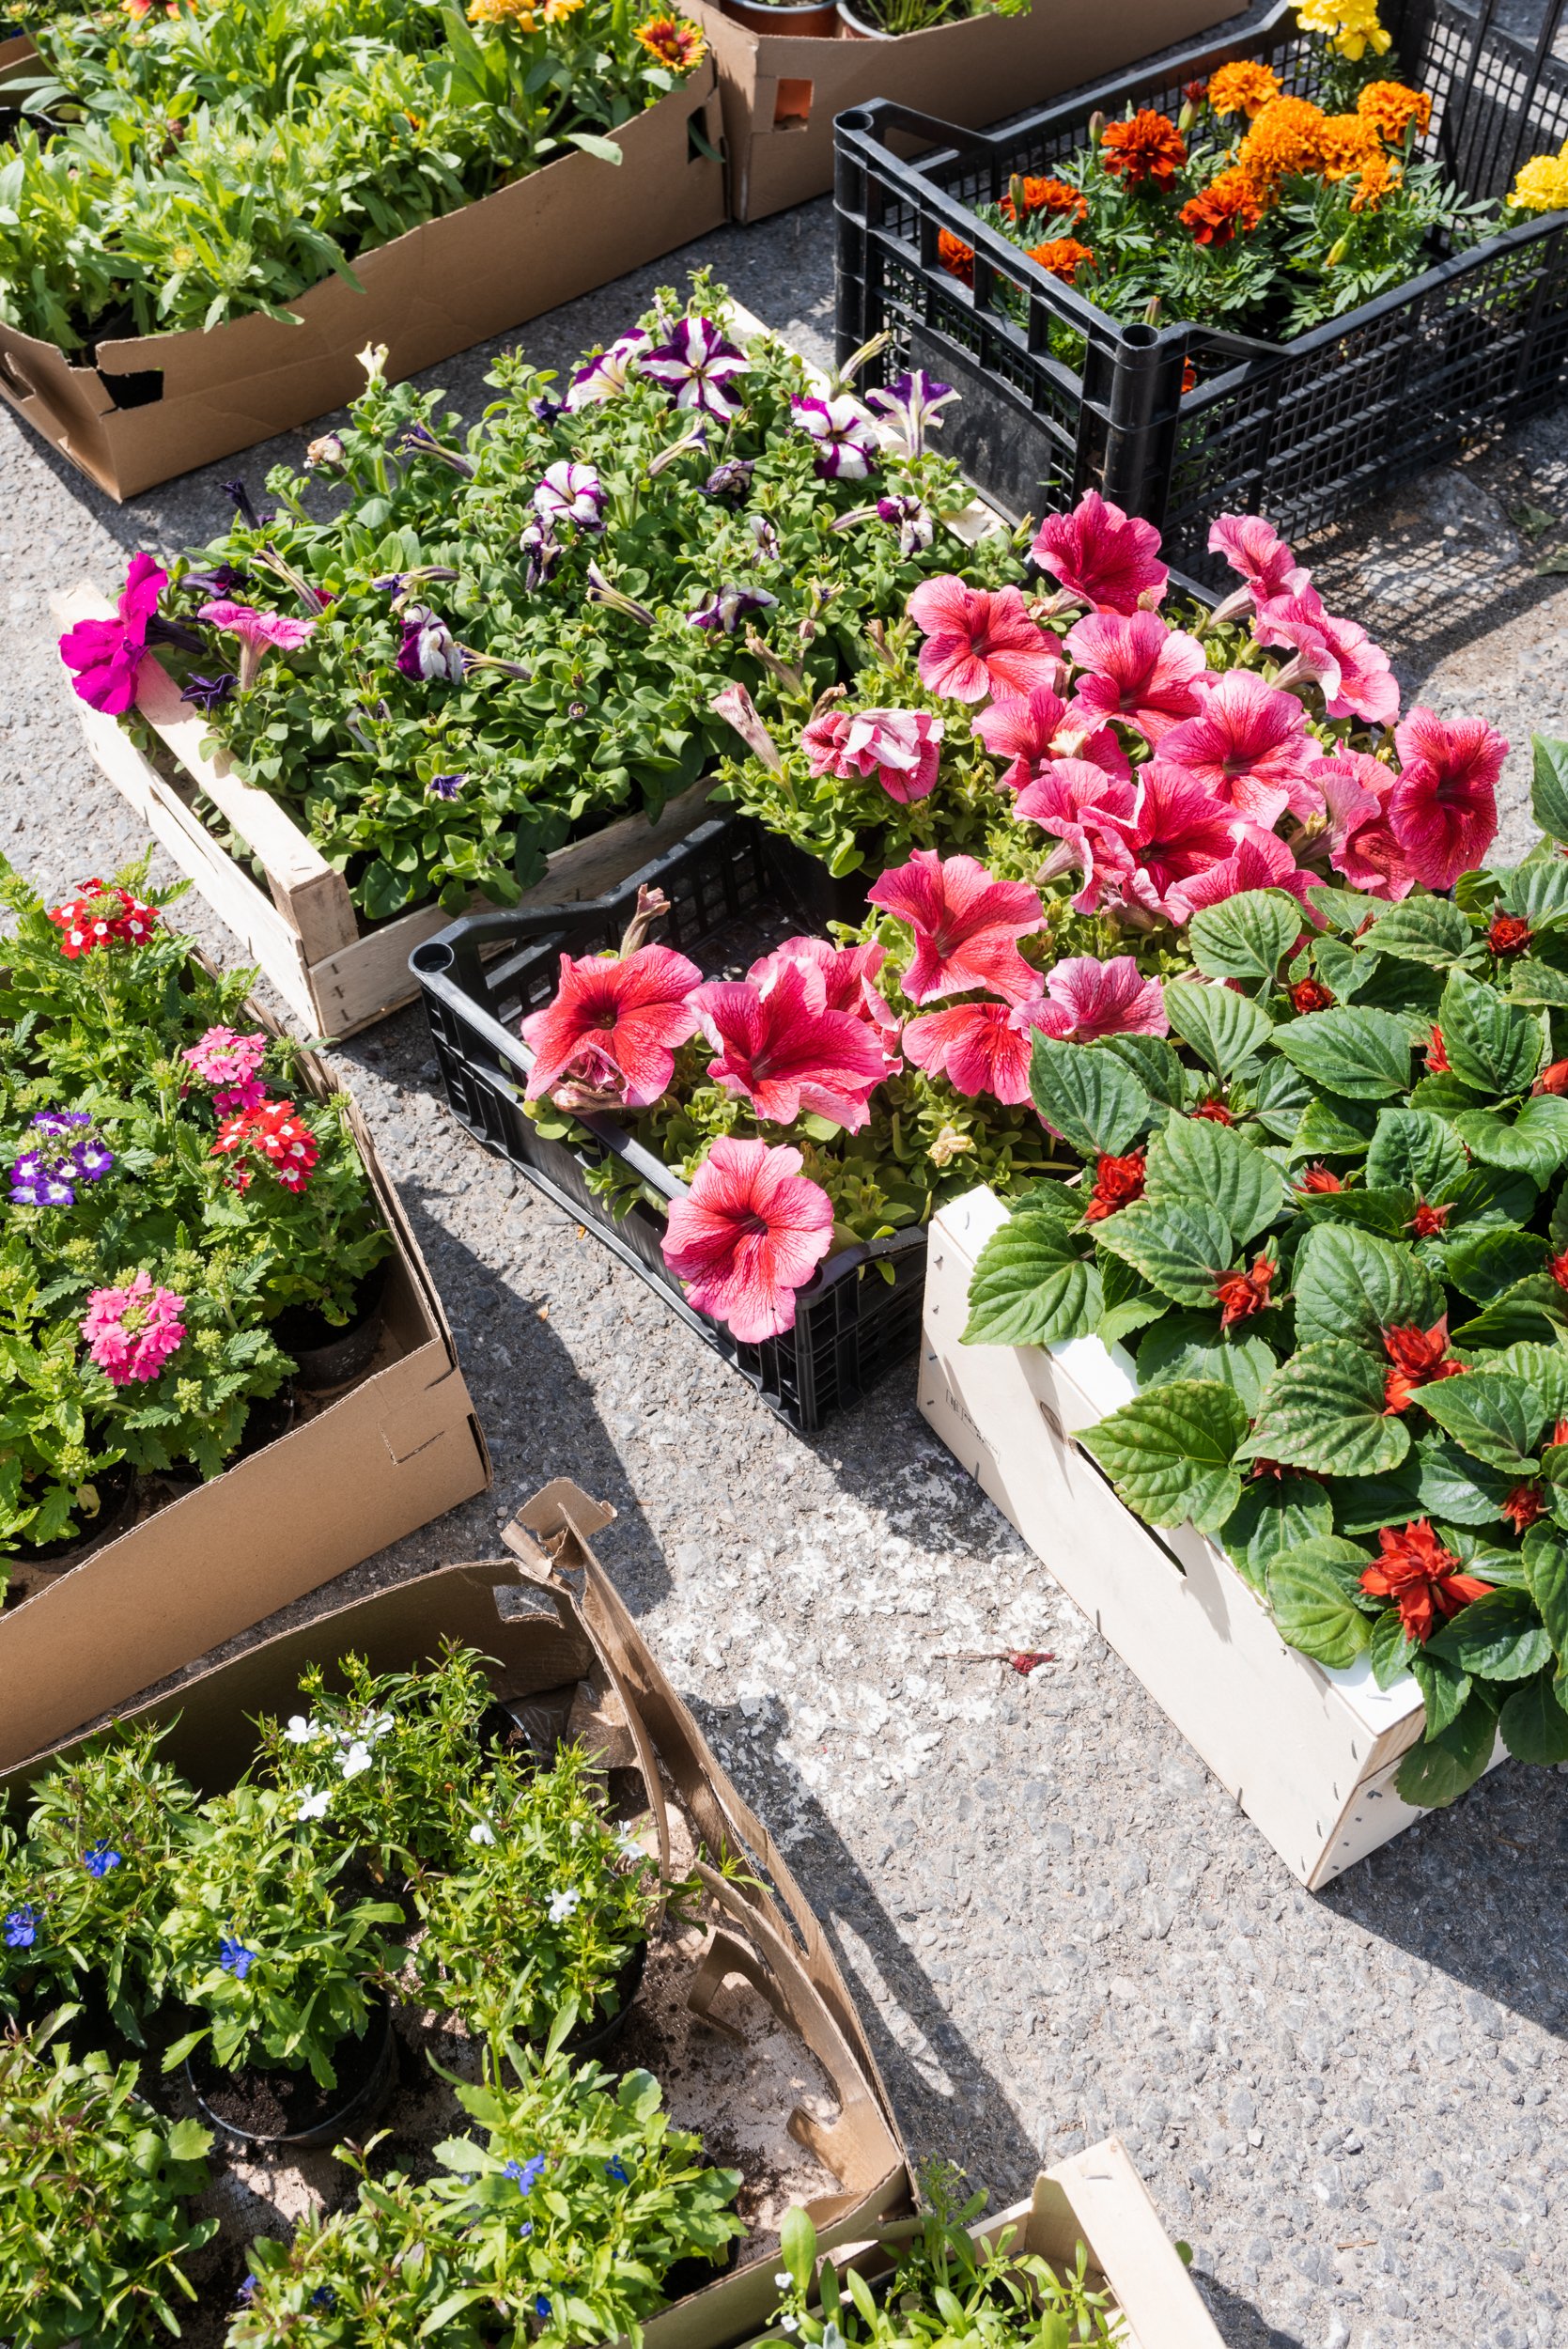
(1336,1246)
(93,2186)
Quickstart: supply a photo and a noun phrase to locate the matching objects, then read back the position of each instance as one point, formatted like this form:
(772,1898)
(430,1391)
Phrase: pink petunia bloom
(749,1232)
(260,632)
(107,655)
(902,748)
(965,922)
(1109,558)
(1248,746)
(631,1012)
(1259,860)
(1085,999)
(131,1332)
(1354,671)
(844,978)
(785,1052)
(1177,829)
(1443,808)
(1255,549)
(979,1047)
(979,643)
(1030,729)
(1088,811)
(1139,670)
(1356,792)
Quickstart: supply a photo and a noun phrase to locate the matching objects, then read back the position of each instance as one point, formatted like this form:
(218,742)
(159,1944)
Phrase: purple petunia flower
(225,579)
(445,786)
(429,649)
(570,494)
(728,606)
(544,410)
(207,691)
(845,435)
(908,516)
(234,1957)
(767,536)
(605,376)
(541,552)
(99,1859)
(732,479)
(695,366)
(419,441)
(21,1928)
(525,2175)
(913,406)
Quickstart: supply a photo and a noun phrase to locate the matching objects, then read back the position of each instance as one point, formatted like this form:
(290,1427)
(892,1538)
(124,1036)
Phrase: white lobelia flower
(783,2278)
(831,2337)
(481,1832)
(315,1805)
(789,2324)
(300,1731)
(562,1904)
(356,1759)
(370,1729)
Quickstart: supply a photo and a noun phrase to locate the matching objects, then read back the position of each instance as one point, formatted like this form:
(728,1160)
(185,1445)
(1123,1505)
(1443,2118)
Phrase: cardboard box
(545,1616)
(551,236)
(369,1466)
(1097,2198)
(1309,1754)
(781,93)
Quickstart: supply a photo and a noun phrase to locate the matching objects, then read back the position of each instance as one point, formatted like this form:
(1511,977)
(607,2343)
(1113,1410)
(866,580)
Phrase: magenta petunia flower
(622,1015)
(979,643)
(107,655)
(1356,791)
(1109,558)
(783,1051)
(260,632)
(846,436)
(1248,746)
(751,1231)
(1090,813)
(979,1047)
(131,1333)
(1178,828)
(1443,808)
(1354,673)
(902,748)
(1137,670)
(696,367)
(1254,549)
(1085,999)
(1031,729)
(965,922)
(1259,860)
(607,375)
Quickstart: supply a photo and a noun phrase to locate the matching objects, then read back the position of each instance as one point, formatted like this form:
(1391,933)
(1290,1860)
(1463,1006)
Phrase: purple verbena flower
(429,650)
(570,494)
(845,435)
(908,516)
(37,1182)
(605,374)
(695,366)
(246,2292)
(208,691)
(912,405)
(91,1161)
(728,606)
(60,1121)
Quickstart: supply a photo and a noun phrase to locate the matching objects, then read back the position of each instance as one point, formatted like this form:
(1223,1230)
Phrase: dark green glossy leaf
(1034,1284)
(1224,1030)
(1535,1722)
(1324,1410)
(1193,1160)
(1353,1284)
(1247,937)
(1494,1417)
(1093,1099)
(1182,1249)
(1168,1453)
(1495,1637)
(1313,1592)
(1492,1044)
(1440,1768)
(1363,1055)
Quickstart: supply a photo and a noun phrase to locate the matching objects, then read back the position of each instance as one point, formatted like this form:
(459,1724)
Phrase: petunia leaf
(1225,1030)
(1534,1721)
(1312,1595)
(1182,1249)
(1363,1055)
(1094,1101)
(1499,1637)
(1353,1284)
(1493,1416)
(1168,1453)
(1246,937)
(1413,1150)
(1034,1283)
(1440,1768)
(1196,1161)
(1324,1410)
(1492,1044)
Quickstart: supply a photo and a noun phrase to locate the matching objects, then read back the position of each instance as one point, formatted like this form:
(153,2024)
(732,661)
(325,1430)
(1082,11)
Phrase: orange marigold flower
(1052,196)
(675,40)
(955,257)
(1284,140)
(1346,143)
(1243,88)
(1149,148)
(1379,174)
(1390,108)
(1229,203)
(1063,256)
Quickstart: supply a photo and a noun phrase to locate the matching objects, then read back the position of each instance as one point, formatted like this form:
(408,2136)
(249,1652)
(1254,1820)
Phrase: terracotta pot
(815,20)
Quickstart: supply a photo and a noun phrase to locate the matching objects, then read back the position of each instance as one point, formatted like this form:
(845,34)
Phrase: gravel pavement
(1057,1923)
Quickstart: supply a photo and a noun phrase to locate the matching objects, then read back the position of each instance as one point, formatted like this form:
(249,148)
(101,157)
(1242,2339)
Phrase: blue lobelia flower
(99,1857)
(541,2306)
(616,2170)
(525,2175)
(234,1957)
(21,1928)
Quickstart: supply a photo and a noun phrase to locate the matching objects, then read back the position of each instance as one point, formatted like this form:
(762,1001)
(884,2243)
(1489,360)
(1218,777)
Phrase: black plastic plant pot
(596,2036)
(691,2273)
(325,1354)
(30,1569)
(859,1317)
(287,2111)
(1179,423)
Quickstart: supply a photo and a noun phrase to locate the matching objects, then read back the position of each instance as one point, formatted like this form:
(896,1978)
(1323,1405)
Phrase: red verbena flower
(1426,1582)
(965,922)
(631,1011)
(276,1136)
(978,642)
(1508,934)
(1148,150)
(1420,1357)
(1311,995)
(1239,1294)
(1109,558)
(749,1232)
(786,1053)
(1117,1183)
(1318,1177)
(102,914)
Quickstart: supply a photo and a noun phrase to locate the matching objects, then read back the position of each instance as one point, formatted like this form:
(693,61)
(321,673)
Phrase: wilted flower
(696,367)
(845,435)
(541,552)
(419,441)
(208,692)
(600,591)
(732,479)
(902,748)
(327,450)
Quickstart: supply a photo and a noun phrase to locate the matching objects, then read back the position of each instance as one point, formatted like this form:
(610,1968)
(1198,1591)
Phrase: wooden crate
(1309,1754)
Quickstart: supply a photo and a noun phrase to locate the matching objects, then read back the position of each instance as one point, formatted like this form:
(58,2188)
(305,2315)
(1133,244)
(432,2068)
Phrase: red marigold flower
(1117,1183)
(616,1021)
(1419,1357)
(1553,1079)
(1428,1218)
(1524,1504)
(1148,148)
(1239,1294)
(1319,1177)
(1216,1111)
(1062,256)
(1437,1054)
(1215,213)
(1426,1581)
(1311,995)
(749,1232)
(1509,935)
(955,257)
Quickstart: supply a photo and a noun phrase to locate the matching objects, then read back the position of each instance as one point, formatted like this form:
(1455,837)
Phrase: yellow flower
(1352,25)
(1542,184)
(675,40)
(519,14)
(557,12)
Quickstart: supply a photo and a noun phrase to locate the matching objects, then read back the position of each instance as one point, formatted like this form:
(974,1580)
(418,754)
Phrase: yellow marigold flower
(1379,172)
(1344,144)
(557,12)
(1285,138)
(519,14)
(675,40)
(1390,108)
(1352,25)
(1542,184)
(1244,87)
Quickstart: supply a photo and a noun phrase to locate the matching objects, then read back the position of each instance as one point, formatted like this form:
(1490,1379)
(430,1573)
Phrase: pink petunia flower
(978,642)
(902,748)
(260,632)
(1248,746)
(979,1047)
(749,1232)
(840,978)
(627,1011)
(107,655)
(785,1052)
(1356,792)
(1354,673)
(1085,999)
(1443,809)
(1088,811)
(1177,829)
(131,1332)
(1030,729)
(1259,860)
(1109,558)
(1255,549)
(965,922)
(1139,670)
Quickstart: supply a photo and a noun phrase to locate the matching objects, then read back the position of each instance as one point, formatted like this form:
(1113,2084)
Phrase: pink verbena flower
(902,748)
(107,655)
(1109,558)
(1177,829)
(1085,999)
(979,1047)
(629,1013)
(1247,746)
(1354,673)
(1259,860)
(1443,809)
(785,1052)
(978,642)
(131,1333)
(1356,791)
(749,1232)
(1031,728)
(1139,670)
(260,632)
(965,922)
(229,1062)
(1088,812)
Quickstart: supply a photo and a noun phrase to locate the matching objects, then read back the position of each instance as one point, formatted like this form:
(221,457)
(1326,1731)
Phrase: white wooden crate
(1309,1754)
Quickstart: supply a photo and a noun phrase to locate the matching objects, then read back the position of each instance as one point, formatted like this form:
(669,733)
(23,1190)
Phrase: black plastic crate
(728,891)
(1304,431)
